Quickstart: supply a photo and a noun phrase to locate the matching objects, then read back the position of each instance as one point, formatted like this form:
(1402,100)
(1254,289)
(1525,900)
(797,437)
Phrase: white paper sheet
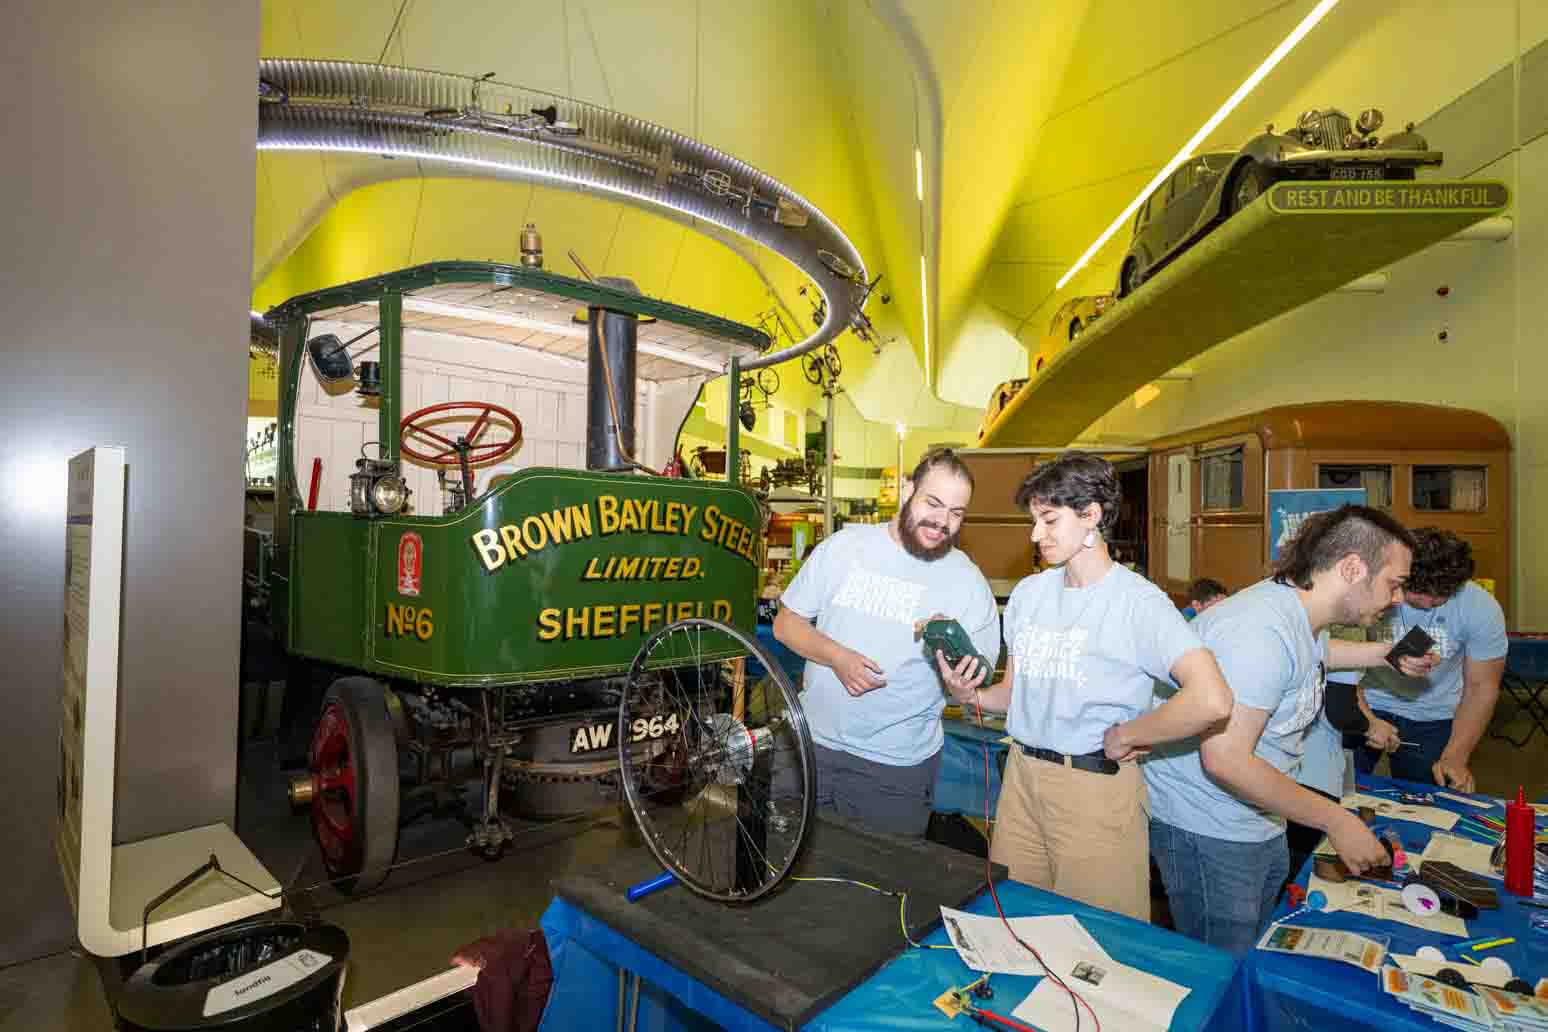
(1122,997)
(1466,853)
(984,943)
(1494,976)
(1384,905)
(1389,809)
(1482,804)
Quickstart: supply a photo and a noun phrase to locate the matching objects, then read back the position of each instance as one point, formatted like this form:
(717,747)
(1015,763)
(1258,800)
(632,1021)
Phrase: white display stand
(409,999)
(109,885)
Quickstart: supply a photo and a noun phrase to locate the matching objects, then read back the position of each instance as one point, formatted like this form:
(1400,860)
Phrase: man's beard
(908,533)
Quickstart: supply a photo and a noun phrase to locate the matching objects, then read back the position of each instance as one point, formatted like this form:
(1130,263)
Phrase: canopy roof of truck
(532,308)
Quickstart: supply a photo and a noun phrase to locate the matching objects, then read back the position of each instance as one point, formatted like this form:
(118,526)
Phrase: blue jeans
(1410,762)
(1221,893)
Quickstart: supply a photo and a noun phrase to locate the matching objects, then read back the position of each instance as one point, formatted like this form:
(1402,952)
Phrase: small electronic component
(960,1000)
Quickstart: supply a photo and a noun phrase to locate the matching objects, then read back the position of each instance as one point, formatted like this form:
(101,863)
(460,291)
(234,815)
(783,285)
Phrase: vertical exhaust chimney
(610,378)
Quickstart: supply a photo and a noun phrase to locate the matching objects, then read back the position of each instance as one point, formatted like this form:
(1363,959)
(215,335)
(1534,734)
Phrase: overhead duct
(512,132)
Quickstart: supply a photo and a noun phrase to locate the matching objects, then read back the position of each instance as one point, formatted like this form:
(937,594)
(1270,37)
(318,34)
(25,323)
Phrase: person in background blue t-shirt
(1445,713)
(1219,804)
(1203,593)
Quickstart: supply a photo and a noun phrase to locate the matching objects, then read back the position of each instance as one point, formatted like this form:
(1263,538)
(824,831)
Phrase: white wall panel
(547,393)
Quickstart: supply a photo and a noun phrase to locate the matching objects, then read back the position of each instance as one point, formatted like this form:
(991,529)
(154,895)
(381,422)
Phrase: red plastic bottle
(1519,833)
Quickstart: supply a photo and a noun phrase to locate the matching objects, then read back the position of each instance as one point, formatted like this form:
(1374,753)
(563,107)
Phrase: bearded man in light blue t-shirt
(1444,714)
(873,699)
(1219,804)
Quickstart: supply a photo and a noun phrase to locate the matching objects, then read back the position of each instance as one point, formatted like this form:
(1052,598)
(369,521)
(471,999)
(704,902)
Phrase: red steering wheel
(453,451)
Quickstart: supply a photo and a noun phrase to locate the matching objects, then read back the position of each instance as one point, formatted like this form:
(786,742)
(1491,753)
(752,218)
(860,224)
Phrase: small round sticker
(1499,964)
(1421,900)
(1429,953)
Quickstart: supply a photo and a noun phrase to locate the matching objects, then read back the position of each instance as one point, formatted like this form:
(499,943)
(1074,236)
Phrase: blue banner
(1287,509)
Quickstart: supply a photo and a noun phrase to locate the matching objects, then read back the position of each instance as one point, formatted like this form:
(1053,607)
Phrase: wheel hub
(333,788)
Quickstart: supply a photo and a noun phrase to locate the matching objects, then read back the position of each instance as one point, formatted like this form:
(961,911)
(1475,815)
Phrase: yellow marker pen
(1493,943)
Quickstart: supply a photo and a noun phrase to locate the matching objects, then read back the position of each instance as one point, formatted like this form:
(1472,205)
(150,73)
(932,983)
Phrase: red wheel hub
(335,802)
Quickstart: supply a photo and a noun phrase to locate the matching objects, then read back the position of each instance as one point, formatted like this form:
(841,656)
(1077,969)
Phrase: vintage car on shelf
(1210,188)
(1072,318)
(997,402)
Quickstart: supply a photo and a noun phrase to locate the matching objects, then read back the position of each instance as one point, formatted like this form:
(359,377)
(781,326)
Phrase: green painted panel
(556,574)
(328,569)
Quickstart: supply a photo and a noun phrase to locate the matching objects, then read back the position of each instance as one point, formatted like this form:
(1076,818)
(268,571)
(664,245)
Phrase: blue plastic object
(635,893)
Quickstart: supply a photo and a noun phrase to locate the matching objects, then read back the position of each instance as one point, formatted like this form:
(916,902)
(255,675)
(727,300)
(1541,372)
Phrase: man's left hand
(1417,666)
(1382,735)
(1115,743)
(1451,772)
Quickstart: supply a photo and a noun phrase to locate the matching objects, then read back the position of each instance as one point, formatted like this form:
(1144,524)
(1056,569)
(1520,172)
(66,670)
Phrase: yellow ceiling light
(1296,35)
(919,173)
(924,294)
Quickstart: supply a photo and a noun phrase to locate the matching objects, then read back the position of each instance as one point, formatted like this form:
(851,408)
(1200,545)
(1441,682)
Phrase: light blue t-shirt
(1263,641)
(865,592)
(1087,658)
(1322,761)
(1468,625)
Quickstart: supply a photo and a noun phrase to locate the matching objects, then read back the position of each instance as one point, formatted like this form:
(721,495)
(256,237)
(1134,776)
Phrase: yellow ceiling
(1037,122)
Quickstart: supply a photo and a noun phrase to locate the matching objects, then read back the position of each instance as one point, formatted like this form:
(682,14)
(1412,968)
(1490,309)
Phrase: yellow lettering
(630,520)
(691,567)
(560,529)
(580,515)
(708,530)
(394,620)
(658,525)
(674,568)
(592,573)
(603,621)
(722,610)
(549,627)
(653,614)
(513,545)
(534,532)
(628,567)
(688,512)
(577,623)
(629,613)
(487,544)
(607,514)
(423,628)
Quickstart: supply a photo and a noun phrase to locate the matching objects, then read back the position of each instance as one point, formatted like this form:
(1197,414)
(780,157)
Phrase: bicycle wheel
(718,771)
(835,367)
(814,368)
(768,381)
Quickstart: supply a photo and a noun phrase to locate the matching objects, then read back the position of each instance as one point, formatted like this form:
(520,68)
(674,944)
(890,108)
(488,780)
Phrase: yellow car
(1076,314)
(997,402)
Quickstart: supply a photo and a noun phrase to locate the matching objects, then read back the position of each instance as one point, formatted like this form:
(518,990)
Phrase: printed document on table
(1434,816)
(985,944)
(1121,997)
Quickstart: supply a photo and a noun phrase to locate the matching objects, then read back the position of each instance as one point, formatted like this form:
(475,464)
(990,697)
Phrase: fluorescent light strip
(924,294)
(1297,34)
(521,322)
(919,173)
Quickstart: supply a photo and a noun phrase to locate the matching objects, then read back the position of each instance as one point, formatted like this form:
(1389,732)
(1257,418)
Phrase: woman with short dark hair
(1087,639)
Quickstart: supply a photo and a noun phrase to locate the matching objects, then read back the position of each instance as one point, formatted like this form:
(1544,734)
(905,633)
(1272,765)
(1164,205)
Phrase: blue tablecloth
(1300,993)
(587,954)
(959,787)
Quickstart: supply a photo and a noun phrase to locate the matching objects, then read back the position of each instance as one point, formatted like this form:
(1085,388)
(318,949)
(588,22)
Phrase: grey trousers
(894,800)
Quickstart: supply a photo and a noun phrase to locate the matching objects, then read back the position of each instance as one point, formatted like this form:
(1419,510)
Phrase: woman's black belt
(1096,762)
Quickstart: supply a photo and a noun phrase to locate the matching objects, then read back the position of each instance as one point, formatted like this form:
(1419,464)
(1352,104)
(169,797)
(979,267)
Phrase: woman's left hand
(959,685)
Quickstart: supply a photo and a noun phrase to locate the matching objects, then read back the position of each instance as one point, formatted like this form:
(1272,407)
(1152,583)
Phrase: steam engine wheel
(354,768)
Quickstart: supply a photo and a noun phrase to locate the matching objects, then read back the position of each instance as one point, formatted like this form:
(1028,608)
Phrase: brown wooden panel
(1231,553)
(995,480)
(1357,424)
(1003,551)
